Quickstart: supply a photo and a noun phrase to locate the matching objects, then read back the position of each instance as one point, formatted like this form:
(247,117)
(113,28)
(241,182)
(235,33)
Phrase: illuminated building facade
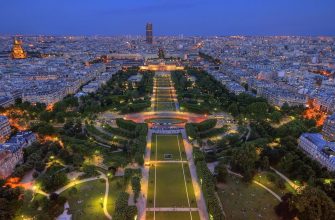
(17,51)
(4,128)
(149,38)
(328,129)
(161,66)
(11,152)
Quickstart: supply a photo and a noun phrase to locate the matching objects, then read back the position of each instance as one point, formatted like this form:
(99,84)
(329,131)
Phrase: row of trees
(204,129)
(135,131)
(208,186)
(118,94)
(122,210)
(188,96)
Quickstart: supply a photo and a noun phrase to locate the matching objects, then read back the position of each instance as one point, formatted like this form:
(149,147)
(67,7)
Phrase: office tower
(149,37)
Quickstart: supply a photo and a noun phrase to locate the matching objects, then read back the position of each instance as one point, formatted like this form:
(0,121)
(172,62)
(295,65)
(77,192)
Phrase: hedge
(208,187)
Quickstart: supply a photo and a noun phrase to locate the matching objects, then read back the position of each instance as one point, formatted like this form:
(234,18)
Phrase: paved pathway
(106,195)
(195,181)
(76,182)
(290,182)
(258,183)
(142,200)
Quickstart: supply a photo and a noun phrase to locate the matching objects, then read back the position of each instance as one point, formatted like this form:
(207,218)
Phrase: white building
(319,149)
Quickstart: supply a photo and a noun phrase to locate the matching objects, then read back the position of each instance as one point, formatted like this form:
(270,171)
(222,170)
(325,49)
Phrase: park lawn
(173,215)
(163,93)
(163,84)
(263,179)
(87,203)
(170,186)
(167,144)
(246,201)
(165,106)
(164,99)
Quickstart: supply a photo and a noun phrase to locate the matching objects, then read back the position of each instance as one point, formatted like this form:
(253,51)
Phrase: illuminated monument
(17,51)
(148,29)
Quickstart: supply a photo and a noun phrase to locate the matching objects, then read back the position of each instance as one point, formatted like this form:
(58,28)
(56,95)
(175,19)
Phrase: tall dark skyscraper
(149,33)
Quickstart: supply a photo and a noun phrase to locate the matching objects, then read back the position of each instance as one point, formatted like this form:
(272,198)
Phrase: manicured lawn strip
(167,144)
(163,84)
(165,106)
(163,93)
(166,120)
(246,201)
(151,187)
(164,99)
(172,215)
(170,185)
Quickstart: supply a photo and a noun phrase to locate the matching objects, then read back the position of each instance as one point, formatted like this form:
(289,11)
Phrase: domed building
(17,51)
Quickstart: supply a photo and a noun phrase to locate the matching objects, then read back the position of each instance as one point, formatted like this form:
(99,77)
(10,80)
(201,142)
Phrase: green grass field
(87,202)
(168,178)
(246,201)
(173,215)
(163,81)
(170,186)
(167,144)
(164,101)
(165,106)
(263,179)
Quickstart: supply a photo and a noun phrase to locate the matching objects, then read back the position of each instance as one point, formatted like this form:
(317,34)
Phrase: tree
(265,164)
(222,172)
(233,109)
(243,160)
(312,204)
(276,116)
(258,109)
(136,186)
(44,128)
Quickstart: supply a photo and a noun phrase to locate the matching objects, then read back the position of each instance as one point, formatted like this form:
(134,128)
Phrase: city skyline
(208,18)
(166,109)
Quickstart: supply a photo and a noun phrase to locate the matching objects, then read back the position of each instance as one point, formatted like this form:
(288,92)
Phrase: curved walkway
(106,195)
(290,182)
(259,184)
(76,182)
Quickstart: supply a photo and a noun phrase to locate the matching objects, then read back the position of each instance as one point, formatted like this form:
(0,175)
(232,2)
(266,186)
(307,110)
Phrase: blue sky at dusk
(169,17)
